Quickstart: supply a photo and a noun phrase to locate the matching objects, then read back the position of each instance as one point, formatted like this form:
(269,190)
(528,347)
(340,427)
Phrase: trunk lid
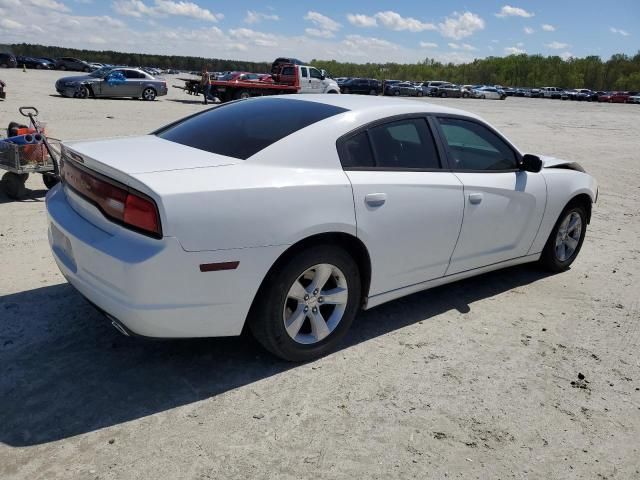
(142,154)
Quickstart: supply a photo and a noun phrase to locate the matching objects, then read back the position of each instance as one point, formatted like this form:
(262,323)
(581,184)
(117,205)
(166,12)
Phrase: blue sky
(360,31)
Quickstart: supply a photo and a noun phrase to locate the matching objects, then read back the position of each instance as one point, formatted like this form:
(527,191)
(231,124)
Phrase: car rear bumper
(153,287)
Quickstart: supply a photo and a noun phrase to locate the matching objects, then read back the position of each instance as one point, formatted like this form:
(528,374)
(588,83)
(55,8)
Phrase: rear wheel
(373,92)
(347,91)
(565,240)
(397,93)
(419,93)
(148,94)
(465,95)
(443,95)
(242,95)
(306,306)
(63,68)
(49,180)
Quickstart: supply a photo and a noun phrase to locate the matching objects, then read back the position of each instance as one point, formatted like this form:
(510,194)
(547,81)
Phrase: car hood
(77,78)
(552,162)
(123,158)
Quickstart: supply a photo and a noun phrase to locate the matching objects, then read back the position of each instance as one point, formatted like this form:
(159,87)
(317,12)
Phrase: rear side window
(403,144)
(243,128)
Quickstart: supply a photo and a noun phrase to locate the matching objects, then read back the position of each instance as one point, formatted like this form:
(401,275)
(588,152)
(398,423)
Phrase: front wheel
(565,240)
(419,93)
(305,307)
(148,94)
(465,95)
(443,95)
(373,92)
(13,184)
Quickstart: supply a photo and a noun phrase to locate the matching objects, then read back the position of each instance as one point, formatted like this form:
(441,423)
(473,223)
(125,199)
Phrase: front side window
(474,147)
(315,73)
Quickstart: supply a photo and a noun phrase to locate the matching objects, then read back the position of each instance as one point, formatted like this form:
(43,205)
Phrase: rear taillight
(117,202)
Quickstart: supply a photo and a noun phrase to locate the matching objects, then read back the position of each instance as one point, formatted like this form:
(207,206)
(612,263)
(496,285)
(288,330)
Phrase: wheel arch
(350,243)
(584,200)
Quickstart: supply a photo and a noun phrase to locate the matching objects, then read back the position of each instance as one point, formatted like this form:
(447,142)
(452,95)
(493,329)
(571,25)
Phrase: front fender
(562,186)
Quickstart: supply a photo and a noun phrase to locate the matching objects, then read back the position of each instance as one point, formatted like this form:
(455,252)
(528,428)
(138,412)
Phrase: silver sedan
(113,82)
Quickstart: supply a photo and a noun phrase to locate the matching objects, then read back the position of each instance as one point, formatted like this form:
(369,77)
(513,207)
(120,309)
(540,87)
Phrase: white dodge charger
(291,213)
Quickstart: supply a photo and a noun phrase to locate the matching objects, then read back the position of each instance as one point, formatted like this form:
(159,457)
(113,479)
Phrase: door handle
(375,199)
(475,198)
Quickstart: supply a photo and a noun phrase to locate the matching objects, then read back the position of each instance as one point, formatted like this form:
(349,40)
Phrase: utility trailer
(289,78)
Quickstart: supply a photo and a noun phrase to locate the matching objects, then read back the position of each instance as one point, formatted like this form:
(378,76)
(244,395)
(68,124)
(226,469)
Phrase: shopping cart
(20,160)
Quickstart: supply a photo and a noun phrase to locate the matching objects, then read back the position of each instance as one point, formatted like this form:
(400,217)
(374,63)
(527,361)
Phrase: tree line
(620,72)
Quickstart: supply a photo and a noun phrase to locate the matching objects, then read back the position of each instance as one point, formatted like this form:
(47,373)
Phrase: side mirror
(531,163)
(323,74)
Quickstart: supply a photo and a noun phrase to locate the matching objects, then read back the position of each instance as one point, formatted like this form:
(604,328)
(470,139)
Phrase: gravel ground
(478,379)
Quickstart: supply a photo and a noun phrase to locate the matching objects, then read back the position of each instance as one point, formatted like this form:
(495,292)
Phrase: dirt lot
(471,380)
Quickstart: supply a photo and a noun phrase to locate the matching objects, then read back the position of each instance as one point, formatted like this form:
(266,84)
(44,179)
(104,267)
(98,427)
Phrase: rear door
(408,208)
(503,205)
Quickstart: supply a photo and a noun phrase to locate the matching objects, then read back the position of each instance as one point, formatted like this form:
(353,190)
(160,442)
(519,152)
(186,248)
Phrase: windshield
(101,72)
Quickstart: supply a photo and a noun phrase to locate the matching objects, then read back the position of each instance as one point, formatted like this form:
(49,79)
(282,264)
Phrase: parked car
(8,60)
(621,97)
(3,93)
(551,92)
(569,94)
(403,89)
(73,64)
(448,90)
(533,93)
(471,91)
(37,63)
(491,93)
(161,232)
(634,98)
(364,86)
(113,82)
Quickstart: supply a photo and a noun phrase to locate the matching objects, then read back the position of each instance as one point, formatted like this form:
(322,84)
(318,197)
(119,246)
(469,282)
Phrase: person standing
(205,84)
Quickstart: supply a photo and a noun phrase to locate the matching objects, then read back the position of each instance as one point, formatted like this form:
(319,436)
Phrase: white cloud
(556,45)
(46,4)
(138,9)
(318,32)
(514,51)
(619,31)
(566,55)
(358,42)
(428,45)
(248,36)
(360,20)
(257,17)
(10,24)
(394,21)
(509,11)
(463,46)
(519,44)
(528,30)
(548,28)
(323,22)
(461,25)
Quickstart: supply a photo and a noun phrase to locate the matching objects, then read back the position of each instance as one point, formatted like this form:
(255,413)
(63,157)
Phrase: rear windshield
(243,128)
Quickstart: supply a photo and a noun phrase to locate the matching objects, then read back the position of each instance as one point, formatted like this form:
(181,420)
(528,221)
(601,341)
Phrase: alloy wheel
(568,236)
(315,304)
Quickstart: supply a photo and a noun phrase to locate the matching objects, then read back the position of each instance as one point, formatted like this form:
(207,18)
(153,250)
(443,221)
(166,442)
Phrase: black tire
(87,70)
(63,68)
(443,95)
(81,92)
(266,319)
(49,180)
(373,92)
(549,259)
(419,93)
(465,95)
(13,185)
(397,93)
(346,91)
(148,94)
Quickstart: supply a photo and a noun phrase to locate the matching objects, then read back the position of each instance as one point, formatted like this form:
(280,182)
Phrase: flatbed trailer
(290,79)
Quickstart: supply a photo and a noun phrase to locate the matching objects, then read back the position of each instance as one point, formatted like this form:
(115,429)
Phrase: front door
(503,205)
(408,209)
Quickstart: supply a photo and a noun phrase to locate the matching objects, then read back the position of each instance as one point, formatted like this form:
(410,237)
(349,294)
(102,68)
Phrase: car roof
(384,106)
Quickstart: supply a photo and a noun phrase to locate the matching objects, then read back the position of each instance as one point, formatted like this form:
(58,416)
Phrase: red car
(615,97)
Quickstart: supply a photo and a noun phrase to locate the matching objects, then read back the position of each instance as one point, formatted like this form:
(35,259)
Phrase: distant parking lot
(475,379)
